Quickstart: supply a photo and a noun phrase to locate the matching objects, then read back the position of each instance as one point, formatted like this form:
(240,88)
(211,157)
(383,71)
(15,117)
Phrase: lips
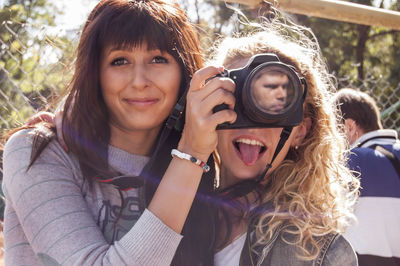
(249,149)
(277,107)
(141,102)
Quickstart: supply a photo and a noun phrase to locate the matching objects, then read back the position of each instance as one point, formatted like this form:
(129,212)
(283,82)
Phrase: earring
(296,147)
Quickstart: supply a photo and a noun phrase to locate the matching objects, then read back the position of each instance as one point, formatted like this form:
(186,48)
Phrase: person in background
(375,154)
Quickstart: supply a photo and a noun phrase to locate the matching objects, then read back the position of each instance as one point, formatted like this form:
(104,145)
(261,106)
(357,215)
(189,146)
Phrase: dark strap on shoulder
(390,155)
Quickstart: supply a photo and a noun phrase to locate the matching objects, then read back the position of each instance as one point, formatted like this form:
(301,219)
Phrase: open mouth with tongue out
(249,150)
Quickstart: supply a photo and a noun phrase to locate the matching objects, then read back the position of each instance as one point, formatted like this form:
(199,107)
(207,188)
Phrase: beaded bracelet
(190,158)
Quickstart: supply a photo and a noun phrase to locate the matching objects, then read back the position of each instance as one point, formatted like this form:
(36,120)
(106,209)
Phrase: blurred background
(38,40)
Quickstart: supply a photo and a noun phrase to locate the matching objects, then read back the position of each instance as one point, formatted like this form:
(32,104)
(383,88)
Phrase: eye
(119,61)
(270,86)
(159,60)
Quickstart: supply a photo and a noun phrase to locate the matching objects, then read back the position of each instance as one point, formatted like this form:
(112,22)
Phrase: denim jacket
(335,250)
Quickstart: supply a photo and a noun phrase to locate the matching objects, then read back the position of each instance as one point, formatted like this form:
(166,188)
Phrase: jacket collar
(381,137)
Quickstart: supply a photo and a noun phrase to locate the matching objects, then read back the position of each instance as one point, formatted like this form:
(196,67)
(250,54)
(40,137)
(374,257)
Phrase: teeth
(250,142)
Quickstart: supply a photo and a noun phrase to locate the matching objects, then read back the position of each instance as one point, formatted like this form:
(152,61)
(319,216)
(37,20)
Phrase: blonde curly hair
(313,192)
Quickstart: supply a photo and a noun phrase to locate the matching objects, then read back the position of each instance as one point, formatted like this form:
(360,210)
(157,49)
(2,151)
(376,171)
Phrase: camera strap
(127,182)
(286,131)
(245,187)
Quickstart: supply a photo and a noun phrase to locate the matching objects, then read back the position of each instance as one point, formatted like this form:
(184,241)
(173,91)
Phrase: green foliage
(358,56)
(35,66)
(364,57)
(33,63)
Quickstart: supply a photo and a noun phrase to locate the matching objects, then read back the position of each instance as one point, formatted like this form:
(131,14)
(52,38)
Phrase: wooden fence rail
(335,10)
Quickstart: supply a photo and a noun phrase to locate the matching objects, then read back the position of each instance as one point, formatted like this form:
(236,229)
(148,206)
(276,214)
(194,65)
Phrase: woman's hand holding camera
(199,136)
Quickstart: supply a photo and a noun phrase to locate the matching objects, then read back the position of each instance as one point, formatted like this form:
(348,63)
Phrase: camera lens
(271,92)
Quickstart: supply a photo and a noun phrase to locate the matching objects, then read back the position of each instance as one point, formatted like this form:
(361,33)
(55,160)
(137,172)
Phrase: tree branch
(383,33)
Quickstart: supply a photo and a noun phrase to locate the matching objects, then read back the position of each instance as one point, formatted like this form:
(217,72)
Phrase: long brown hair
(85,127)
(123,24)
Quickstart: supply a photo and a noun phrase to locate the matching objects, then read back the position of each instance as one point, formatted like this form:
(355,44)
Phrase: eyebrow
(275,84)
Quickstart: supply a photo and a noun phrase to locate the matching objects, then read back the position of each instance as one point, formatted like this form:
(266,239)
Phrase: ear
(350,125)
(352,130)
(301,131)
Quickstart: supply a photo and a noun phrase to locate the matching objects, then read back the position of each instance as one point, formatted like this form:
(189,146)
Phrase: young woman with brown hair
(88,207)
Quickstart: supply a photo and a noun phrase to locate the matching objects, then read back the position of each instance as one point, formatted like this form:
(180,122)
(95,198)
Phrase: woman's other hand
(52,119)
(41,117)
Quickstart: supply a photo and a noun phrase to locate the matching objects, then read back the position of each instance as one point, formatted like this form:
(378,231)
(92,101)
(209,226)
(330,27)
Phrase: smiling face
(140,88)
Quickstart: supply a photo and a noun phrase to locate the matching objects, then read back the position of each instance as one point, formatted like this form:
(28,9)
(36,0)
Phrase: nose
(281,93)
(139,78)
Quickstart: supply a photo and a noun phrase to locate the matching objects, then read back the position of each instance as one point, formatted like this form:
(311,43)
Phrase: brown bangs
(129,28)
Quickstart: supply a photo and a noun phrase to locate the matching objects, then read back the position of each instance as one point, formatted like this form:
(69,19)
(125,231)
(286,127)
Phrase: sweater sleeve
(47,215)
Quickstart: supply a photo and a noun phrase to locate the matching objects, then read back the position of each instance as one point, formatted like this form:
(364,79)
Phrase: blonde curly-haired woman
(285,192)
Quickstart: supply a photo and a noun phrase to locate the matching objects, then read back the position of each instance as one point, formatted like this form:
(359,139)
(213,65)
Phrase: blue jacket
(376,237)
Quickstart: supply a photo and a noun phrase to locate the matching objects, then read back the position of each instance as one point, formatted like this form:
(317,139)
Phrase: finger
(201,75)
(223,116)
(218,97)
(217,90)
(41,117)
(201,110)
(215,84)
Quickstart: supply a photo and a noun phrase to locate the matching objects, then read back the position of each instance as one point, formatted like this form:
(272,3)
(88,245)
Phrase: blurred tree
(215,19)
(362,56)
(32,62)
(357,55)
(212,18)
(350,48)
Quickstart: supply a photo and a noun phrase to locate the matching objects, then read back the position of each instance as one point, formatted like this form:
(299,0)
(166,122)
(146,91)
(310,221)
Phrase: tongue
(249,153)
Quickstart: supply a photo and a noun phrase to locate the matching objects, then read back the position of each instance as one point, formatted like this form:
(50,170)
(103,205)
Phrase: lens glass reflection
(272,90)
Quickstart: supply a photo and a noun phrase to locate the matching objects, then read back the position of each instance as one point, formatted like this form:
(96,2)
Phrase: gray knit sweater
(53,218)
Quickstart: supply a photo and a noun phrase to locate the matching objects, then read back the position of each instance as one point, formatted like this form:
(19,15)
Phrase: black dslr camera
(268,93)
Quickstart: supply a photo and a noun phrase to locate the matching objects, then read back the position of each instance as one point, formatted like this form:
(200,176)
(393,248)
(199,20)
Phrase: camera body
(268,93)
